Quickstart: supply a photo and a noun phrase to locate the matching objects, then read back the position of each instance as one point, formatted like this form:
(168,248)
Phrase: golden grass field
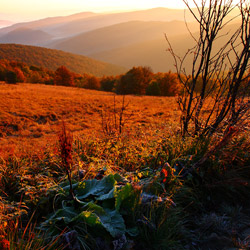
(31,114)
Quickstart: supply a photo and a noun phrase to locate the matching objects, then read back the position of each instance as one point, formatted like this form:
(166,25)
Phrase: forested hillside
(52,59)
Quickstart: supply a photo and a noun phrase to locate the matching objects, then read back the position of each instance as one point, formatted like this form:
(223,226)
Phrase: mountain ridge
(119,35)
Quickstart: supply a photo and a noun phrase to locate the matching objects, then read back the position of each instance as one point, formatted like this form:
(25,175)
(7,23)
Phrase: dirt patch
(43,119)
(8,129)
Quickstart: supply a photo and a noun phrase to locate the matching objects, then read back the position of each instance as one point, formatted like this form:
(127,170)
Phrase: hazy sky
(17,10)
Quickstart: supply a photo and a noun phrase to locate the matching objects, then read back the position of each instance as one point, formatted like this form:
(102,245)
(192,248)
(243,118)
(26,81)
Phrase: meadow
(31,114)
(72,178)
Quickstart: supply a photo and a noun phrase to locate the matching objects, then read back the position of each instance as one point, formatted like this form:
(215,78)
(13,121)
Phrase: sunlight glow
(26,10)
(30,9)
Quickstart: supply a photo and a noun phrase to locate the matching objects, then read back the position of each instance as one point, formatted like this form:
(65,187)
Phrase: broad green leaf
(89,217)
(67,187)
(122,194)
(95,187)
(133,232)
(113,222)
(92,207)
(66,214)
(107,196)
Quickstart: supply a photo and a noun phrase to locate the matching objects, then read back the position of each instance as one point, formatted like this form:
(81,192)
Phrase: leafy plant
(101,207)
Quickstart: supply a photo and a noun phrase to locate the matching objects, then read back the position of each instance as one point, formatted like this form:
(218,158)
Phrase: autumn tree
(135,81)
(2,72)
(11,77)
(108,83)
(63,77)
(19,74)
(153,88)
(169,84)
(35,77)
(92,83)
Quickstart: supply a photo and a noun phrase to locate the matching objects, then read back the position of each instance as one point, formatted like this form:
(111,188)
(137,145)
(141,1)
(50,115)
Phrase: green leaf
(122,194)
(113,222)
(119,178)
(133,232)
(107,196)
(90,206)
(65,214)
(67,187)
(89,217)
(95,187)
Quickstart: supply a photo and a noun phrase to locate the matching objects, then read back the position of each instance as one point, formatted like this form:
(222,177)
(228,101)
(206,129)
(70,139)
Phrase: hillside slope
(104,20)
(26,36)
(67,26)
(154,53)
(149,53)
(52,59)
(46,24)
(120,35)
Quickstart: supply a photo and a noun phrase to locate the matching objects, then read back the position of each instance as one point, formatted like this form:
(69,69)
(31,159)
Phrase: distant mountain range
(26,36)
(52,59)
(86,21)
(120,35)
(152,53)
(127,39)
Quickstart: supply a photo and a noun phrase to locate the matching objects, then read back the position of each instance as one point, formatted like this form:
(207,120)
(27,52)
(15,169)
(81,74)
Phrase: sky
(26,10)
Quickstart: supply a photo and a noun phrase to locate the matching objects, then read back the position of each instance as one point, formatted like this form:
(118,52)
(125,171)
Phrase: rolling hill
(154,53)
(26,36)
(52,59)
(120,35)
(148,53)
(104,20)
(47,24)
(62,27)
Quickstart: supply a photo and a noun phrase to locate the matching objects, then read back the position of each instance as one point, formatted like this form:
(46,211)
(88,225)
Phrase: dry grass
(31,113)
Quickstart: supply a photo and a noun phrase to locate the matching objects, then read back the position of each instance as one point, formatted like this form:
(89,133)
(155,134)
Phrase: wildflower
(4,244)
(65,142)
(164,174)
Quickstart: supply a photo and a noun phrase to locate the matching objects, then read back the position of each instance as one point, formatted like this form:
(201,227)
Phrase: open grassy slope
(30,114)
(52,59)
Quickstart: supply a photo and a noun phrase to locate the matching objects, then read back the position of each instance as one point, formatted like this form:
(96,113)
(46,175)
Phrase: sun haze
(25,10)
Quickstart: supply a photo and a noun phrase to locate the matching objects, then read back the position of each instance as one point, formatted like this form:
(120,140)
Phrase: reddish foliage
(164,174)
(64,77)
(4,244)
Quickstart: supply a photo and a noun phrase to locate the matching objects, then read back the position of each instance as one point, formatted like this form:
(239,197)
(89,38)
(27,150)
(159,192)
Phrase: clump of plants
(110,211)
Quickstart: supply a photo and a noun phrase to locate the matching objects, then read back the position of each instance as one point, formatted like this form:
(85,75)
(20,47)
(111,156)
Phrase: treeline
(137,81)
(13,72)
